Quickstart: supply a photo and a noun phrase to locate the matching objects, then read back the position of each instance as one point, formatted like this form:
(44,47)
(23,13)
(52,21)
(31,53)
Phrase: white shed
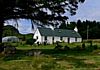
(10,39)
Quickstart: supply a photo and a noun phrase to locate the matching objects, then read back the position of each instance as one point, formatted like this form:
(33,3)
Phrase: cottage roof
(58,32)
(45,31)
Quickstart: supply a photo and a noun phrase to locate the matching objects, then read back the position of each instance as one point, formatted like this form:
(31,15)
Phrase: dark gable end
(58,32)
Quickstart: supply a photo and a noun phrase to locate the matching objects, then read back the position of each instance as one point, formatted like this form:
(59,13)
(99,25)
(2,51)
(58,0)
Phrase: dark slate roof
(58,32)
(45,31)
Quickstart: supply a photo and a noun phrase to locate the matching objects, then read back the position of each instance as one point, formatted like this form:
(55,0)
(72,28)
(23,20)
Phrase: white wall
(71,40)
(49,40)
(57,39)
(79,39)
(42,39)
(37,34)
(65,39)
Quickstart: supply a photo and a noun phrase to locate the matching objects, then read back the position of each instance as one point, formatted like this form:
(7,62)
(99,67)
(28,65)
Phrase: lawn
(51,59)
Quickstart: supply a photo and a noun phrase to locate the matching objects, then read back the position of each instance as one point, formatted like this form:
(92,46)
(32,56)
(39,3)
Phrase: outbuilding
(10,39)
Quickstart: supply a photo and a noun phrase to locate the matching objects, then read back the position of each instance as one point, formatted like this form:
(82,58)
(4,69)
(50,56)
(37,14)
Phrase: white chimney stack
(76,29)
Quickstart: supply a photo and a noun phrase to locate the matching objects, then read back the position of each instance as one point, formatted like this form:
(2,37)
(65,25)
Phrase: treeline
(90,28)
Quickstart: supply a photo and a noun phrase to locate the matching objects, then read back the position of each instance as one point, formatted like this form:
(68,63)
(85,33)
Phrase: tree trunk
(1,29)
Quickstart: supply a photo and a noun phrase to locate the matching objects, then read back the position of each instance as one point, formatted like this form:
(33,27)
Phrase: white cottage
(51,36)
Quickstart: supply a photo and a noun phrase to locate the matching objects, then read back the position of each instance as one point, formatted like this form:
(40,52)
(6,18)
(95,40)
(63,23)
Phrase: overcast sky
(89,10)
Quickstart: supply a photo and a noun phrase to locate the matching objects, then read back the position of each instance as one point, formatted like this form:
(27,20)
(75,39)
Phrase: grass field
(51,59)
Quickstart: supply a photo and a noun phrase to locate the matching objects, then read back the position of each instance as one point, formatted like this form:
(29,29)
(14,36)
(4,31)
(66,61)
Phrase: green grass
(52,62)
(51,59)
(68,60)
(52,46)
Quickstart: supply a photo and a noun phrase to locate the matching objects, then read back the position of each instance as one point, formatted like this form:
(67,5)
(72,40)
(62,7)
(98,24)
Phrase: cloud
(24,26)
(89,10)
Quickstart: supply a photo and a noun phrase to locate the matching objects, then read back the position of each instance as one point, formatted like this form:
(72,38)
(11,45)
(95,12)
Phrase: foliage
(95,47)
(66,47)
(10,31)
(1,47)
(83,46)
(63,26)
(24,37)
(30,41)
(77,48)
(37,11)
(71,26)
(8,48)
(58,47)
(92,26)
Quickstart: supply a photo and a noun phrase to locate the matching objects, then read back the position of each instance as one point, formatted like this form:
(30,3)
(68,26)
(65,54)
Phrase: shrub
(95,47)
(30,41)
(66,48)
(90,48)
(77,48)
(8,48)
(58,47)
(90,43)
(1,47)
(83,46)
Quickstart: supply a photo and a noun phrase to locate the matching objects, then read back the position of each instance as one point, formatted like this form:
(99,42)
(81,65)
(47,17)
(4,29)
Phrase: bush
(8,48)
(77,48)
(1,47)
(91,48)
(90,43)
(58,47)
(83,46)
(95,47)
(30,41)
(66,48)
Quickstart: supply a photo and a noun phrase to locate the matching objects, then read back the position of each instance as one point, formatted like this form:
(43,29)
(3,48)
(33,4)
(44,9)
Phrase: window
(61,38)
(53,38)
(36,37)
(68,40)
(75,39)
(45,38)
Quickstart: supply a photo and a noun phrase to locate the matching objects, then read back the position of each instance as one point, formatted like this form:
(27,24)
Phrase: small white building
(10,39)
(53,35)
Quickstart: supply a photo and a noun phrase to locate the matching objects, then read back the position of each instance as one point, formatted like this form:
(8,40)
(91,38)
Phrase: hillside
(12,31)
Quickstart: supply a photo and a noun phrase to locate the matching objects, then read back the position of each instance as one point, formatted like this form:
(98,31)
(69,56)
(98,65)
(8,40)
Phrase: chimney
(76,29)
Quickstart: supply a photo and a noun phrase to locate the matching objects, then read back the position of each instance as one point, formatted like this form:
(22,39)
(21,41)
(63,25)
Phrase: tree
(36,10)
(10,31)
(71,26)
(63,26)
